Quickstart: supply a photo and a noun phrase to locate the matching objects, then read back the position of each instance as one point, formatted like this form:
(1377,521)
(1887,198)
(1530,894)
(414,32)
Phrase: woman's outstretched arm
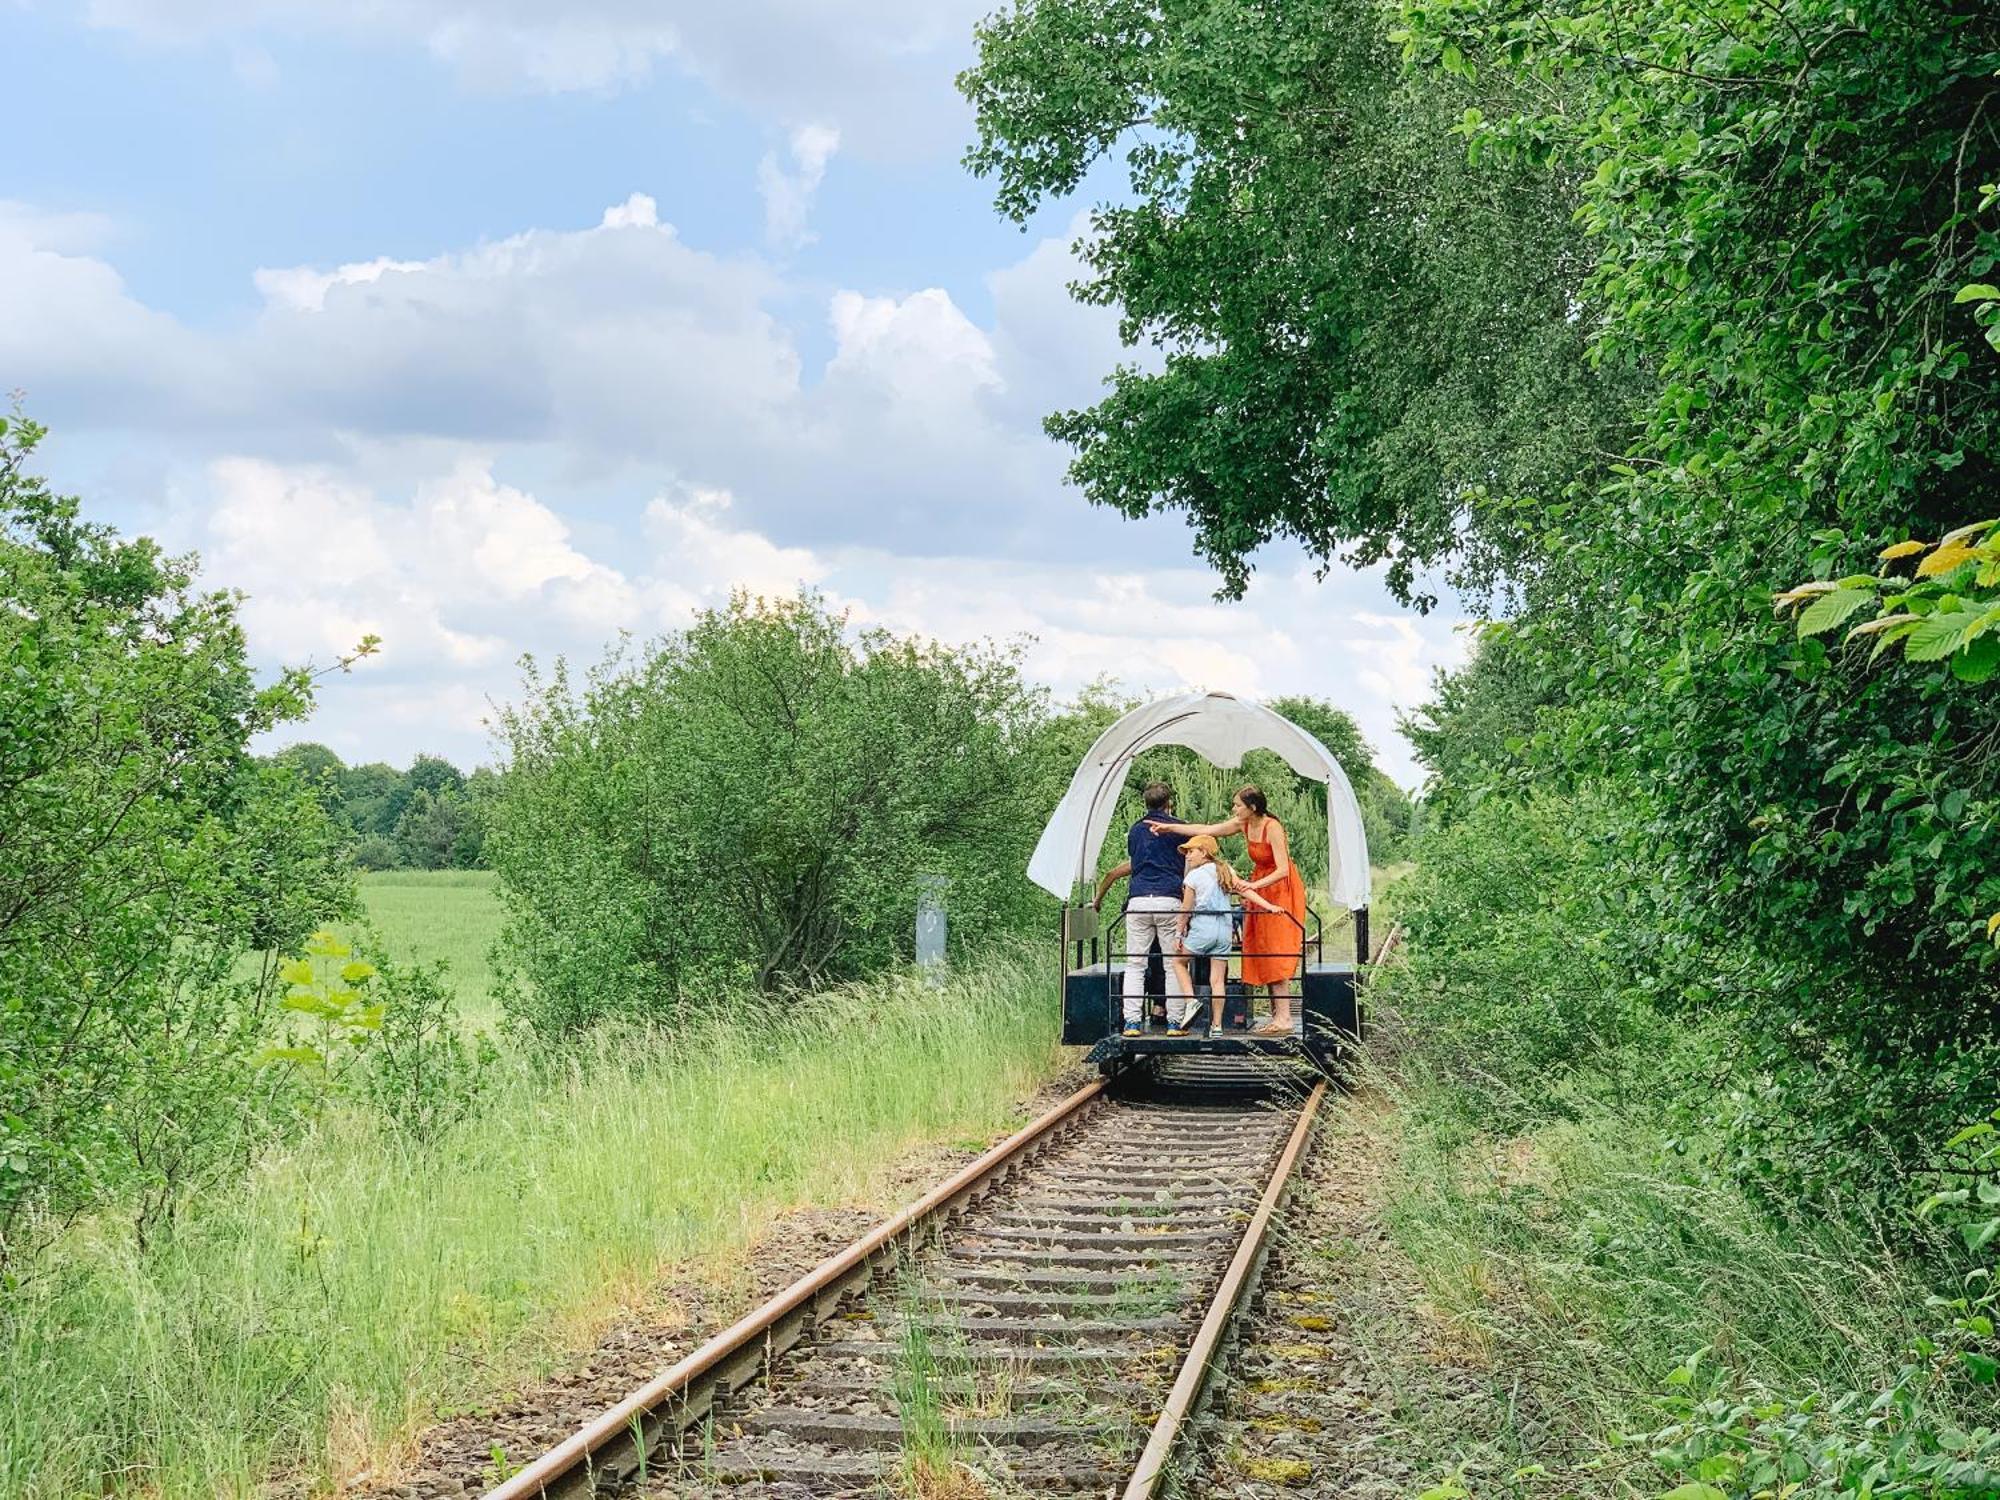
(1189,830)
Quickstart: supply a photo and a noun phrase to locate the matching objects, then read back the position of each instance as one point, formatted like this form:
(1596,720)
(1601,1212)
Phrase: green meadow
(449,915)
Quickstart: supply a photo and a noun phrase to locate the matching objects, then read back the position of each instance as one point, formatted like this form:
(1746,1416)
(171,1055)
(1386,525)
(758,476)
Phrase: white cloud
(467,573)
(618,346)
(55,231)
(303,289)
(384,417)
(788,192)
(73,335)
(879,70)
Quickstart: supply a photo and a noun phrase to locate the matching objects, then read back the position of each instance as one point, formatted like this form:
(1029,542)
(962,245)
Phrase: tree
(1366,342)
(1385,807)
(434,774)
(753,800)
(369,799)
(317,764)
(144,854)
(1760,370)
(432,828)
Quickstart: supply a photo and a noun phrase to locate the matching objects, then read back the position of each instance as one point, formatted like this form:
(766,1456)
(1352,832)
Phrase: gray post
(931,924)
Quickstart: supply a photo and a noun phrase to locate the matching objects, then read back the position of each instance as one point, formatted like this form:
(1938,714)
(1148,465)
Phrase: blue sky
(503,328)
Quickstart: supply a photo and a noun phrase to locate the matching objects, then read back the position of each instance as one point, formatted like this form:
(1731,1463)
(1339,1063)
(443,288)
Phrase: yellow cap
(1202,842)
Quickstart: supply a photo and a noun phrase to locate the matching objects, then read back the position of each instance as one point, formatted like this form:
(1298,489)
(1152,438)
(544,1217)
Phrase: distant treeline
(430,817)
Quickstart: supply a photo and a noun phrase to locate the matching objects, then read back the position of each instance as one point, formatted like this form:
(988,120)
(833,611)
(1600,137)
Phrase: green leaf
(1829,610)
(357,971)
(1937,636)
(308,1056)
(296,971)
(1981,1367)
(1978,291)
(1694,1489)
(1978,661)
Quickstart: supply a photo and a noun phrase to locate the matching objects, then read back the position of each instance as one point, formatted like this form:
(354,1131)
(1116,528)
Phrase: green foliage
(376,853)
(1653,308)
(424,1075)
(325,989)
(431,817)
(1908,1437)
(1573,1266)
(1781,204)
(752,802)
(440,831)
(1387,814)
(145,854)
(1363,339)
(1945,612)
(1520,965)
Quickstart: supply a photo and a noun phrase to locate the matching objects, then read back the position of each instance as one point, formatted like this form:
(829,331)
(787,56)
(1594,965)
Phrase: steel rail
(620,1437)
(1195,1369)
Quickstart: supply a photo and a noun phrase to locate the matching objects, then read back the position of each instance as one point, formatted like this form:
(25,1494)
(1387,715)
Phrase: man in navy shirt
(1152,903)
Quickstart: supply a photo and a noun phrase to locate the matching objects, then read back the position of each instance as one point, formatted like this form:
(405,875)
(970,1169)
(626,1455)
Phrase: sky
(503,328)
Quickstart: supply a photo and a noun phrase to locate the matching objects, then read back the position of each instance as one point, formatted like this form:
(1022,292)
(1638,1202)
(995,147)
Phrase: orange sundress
(1272,945)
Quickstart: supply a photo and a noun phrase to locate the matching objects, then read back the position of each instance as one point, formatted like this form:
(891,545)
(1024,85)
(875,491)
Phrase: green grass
(454,915)
(1572,1268)
(307,1319)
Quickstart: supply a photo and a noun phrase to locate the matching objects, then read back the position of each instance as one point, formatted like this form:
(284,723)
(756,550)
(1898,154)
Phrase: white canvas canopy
(1220,728)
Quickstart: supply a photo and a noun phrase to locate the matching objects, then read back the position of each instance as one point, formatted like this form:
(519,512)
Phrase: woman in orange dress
(1273,942)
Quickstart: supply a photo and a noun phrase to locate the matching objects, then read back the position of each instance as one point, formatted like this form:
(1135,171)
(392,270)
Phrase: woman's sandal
(1272,1028)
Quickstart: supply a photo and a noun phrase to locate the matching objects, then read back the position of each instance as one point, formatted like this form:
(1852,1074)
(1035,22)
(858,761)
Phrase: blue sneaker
(1133,1028)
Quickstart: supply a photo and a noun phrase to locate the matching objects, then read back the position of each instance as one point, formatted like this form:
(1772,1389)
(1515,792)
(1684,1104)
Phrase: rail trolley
(1221,728)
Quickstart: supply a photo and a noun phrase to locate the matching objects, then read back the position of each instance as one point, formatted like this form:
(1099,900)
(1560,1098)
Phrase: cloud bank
(533,443)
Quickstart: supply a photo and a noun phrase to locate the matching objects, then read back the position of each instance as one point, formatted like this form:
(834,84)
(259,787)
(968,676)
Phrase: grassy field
(452,915)
(305,1321)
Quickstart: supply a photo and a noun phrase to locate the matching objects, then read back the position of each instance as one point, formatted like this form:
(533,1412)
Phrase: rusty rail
(1194,1372)
(618,1442)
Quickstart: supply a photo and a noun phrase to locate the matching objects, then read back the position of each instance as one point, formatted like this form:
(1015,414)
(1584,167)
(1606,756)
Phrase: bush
(752,802)
(423,1073)
(147,855)
(377,853)
(1518,971)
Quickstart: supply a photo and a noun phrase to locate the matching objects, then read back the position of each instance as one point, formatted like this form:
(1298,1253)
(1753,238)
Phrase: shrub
(424,1074)
(752,801)
(1518,971)
(377,853)
(144,854)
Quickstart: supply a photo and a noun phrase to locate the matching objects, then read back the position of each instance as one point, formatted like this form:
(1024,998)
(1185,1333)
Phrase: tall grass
(352,1286)
(1573,1267)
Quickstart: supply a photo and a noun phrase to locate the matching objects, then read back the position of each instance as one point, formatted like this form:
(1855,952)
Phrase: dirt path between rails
(1343,1353)
(468,1454)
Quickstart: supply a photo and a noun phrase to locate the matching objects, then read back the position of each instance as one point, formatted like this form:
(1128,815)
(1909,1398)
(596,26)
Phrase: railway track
(1045,1322)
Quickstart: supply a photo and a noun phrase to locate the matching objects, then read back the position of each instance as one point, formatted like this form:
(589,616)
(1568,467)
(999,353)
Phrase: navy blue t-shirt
(1157,865)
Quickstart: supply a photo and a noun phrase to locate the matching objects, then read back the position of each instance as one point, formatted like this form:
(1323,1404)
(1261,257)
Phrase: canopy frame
(1221,728)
